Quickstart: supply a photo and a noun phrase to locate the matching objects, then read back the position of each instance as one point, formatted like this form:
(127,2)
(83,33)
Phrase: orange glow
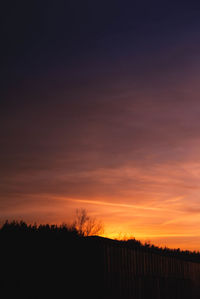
(163,225)
(169,222)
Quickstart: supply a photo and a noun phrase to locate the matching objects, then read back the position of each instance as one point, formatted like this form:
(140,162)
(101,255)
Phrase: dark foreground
(65,265)
(49,265)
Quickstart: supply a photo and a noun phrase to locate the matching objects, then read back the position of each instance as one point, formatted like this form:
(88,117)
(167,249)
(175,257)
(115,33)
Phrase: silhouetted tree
(86,225)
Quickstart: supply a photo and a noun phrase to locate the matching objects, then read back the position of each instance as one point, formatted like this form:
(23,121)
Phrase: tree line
(86,226)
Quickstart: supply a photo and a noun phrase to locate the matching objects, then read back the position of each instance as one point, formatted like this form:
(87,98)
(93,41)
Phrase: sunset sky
(100,109)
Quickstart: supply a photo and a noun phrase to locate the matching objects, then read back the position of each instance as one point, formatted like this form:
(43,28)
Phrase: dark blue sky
(39,36)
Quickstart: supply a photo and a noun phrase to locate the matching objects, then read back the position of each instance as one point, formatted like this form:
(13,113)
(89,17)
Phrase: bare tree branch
(86,225)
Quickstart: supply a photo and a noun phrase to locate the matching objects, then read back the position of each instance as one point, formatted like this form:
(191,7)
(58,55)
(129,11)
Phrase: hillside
(50,261)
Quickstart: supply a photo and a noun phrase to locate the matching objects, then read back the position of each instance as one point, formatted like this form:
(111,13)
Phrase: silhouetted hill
(69,233)
(49,261)
(186,255)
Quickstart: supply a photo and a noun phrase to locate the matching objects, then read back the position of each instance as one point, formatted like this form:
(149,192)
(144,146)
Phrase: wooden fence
(139,274)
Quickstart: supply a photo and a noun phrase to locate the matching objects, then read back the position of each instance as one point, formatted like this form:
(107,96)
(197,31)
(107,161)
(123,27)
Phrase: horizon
(120,236)
(71,227)
(100,110)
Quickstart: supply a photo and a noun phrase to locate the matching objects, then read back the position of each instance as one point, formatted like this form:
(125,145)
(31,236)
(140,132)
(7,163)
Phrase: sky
(100,110)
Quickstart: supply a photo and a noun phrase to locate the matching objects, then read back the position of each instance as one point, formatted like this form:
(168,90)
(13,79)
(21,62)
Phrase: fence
(139,274)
